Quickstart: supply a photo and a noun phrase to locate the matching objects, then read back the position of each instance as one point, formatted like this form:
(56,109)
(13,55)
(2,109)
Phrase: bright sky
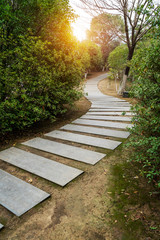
(82,23)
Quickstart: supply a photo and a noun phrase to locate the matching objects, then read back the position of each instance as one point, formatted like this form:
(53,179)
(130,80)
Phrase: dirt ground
(110,201)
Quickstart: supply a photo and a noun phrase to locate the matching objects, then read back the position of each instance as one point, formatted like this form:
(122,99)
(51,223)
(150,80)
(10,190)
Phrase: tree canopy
(138,16)
(104,30)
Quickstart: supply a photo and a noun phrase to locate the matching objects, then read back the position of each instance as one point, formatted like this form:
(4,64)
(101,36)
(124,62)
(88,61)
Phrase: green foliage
(96,60)
(37,84)
(90,55)
(146,131)
(39,68)
(104,30)
(117,60)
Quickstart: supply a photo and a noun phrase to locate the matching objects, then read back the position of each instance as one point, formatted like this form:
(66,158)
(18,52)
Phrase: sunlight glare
(82,23)
(79,31)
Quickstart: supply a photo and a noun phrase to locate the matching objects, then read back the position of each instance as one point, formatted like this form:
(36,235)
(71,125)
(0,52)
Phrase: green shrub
(146,131)
(36,82)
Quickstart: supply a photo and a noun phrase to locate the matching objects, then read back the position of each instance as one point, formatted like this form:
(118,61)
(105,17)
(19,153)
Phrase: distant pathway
(103,126)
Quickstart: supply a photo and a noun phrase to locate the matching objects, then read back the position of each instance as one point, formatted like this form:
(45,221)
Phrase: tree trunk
(123,83)
(126,73)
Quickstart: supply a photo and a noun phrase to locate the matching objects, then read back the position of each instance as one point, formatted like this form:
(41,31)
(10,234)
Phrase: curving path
(103,126)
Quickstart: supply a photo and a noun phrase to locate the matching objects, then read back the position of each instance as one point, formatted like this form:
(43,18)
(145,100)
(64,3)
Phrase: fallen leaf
(30,180)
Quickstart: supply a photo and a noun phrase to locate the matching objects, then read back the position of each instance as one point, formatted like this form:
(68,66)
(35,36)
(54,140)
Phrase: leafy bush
(36,83)
(39,68)
(146,131)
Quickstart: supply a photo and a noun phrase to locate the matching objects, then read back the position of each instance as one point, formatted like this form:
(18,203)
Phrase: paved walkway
(103,126)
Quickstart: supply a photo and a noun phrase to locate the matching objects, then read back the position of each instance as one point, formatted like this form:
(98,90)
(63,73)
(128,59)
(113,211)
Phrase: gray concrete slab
(88,140)
(106,102)
(109,113)
(99,106)
(18,196)
(117,109)
(53,171)
(64,150)
(102,123)
(96,131)
(112,118)
(103,98)
(1,226)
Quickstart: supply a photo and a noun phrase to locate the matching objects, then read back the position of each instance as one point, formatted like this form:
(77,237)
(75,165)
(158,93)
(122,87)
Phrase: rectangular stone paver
(112,118)
(18,196)
(109,105)
(78,138)
(117,109)
(64,150)
(43,167)
(105,100)
(96,131)
(109,113)
(1,226)
(102,123)
(111,102)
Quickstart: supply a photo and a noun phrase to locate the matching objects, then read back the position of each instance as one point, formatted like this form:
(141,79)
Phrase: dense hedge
(39,68)
(145,139)
(36,83)
(41,62)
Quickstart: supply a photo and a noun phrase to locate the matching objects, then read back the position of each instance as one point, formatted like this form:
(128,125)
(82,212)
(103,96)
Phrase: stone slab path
(17,195)
(102,123)
(64,150)
(117,104)
(110,118)
(104,120)
(79,138)
(118,109)
(106,113)
(53,171)
(96,131)
(1,226)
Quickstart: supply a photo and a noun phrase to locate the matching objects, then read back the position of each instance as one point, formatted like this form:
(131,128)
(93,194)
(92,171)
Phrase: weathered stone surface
(108,105)
(1,226)
(106,99)
(96,131)
(117,109)
(43,167)
(109,113)
(102,123)
(18,196)
(65,150)
(88,140)
(112,118)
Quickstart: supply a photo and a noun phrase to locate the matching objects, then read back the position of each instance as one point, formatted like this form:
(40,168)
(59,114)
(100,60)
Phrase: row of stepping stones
(104,119)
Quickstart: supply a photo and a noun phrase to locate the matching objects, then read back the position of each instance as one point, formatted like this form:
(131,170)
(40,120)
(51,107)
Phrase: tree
(103,31)
(117,61)
(139,17)
(90,55)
